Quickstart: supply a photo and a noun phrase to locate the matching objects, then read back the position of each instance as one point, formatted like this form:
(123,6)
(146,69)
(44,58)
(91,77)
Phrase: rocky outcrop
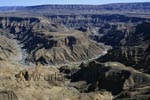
(65,47)
(110,76)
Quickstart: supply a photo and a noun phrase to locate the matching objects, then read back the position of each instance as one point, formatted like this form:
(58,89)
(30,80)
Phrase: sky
(41,2)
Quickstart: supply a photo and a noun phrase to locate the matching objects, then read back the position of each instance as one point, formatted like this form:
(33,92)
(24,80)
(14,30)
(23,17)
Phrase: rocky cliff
(130,47)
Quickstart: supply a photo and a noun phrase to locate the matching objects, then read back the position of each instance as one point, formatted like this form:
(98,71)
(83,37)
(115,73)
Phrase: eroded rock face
(8,95)
(130,48)
(49,43)
(111,76)
(68,46)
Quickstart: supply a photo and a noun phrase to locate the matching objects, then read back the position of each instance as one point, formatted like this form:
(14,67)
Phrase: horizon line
(74,4)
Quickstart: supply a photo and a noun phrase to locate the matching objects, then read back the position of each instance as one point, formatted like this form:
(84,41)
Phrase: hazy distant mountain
(11,8)
(84,9)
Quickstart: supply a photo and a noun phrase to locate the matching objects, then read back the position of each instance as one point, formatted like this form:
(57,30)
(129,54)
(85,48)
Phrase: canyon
(49,43)
(101,51)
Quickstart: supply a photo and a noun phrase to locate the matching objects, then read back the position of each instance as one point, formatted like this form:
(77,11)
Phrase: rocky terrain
(49,43)
(129,36)
(132,48)
(7,48)
(39,83)
(75,52)
(111,76)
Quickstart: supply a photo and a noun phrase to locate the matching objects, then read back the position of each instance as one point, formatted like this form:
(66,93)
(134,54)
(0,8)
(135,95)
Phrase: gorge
(101,51)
